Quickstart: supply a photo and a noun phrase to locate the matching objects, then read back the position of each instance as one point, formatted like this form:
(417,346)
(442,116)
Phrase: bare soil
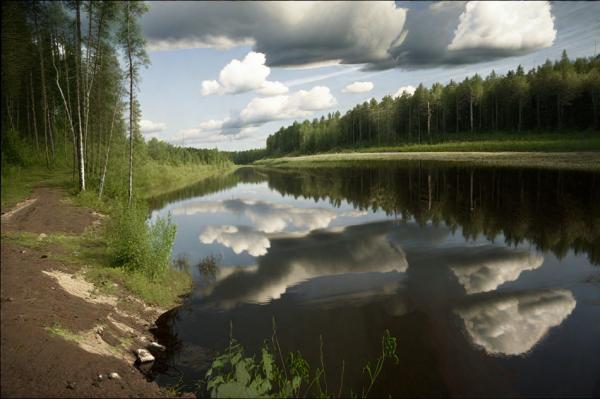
(35,362)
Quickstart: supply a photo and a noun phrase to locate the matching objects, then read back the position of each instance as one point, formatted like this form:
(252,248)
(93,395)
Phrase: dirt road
(57,335)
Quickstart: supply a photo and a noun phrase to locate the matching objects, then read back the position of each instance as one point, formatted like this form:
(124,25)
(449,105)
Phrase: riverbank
(69,318)
(584,161)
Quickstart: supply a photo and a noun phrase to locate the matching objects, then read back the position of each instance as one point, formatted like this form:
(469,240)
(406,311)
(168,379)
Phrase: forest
(561,96)
(70,74)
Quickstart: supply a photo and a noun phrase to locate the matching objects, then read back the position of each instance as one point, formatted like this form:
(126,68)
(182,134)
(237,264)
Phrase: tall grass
(140,246)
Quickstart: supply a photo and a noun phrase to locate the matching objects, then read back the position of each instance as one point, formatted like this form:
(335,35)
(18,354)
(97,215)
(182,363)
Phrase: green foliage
(563,96)
(138,246)
(234,375)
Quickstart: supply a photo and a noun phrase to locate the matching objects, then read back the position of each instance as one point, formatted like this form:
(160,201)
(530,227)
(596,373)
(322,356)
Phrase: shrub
(140,246)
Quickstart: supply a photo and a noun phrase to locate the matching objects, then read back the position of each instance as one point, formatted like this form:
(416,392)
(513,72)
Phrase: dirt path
(57,336)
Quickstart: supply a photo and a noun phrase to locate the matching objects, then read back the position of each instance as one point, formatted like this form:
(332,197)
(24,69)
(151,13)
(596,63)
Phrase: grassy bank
(584,161)
(499,142)
(95,251)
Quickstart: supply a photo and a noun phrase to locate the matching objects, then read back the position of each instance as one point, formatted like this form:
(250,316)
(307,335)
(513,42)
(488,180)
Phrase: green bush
(139,246)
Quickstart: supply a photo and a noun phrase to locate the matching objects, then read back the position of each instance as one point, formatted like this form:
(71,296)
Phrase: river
(488,277)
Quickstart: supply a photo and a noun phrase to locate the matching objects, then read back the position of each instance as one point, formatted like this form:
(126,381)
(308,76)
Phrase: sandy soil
(38,293)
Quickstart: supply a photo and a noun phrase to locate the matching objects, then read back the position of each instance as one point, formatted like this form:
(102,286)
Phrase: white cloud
(239,239)
(488,270)
(513,324)
(408,89)
(505,25)
(148,127)
(358,87)
(272,89)
(260,110)
(242,76)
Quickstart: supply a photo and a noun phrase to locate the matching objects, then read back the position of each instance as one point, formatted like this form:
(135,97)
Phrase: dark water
(489,278)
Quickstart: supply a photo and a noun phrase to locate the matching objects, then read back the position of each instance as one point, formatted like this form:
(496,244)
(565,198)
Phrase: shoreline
(579,161)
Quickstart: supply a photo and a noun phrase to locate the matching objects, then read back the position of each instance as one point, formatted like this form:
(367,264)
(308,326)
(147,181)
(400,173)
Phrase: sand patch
(77,286)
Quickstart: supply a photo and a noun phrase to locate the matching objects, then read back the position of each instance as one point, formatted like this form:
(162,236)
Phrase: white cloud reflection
(239,239)
(513,324)
(486,269)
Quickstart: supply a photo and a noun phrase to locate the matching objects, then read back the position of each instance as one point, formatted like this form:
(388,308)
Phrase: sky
(226,75)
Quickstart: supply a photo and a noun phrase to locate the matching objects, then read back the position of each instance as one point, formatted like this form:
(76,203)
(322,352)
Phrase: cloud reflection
(289,261)
(512,324)
(269,217)
(239,239)
(485,269)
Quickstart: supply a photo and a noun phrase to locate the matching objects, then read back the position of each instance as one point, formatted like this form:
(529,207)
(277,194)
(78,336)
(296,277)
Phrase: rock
(42,236)
(157,346)
(70,384)
(144,356)
(23,251)
(100,377)
(10,299)
(114,376)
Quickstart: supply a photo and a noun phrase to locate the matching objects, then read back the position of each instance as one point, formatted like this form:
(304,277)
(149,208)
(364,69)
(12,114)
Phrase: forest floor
(589,160)
(59,331)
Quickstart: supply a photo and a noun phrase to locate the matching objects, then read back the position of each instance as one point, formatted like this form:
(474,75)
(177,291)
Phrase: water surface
(488,277)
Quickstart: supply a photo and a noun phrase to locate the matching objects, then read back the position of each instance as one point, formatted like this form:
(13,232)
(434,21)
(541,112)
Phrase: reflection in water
(512,324)
(268,217)
(239,239)
(355,249)
(486,268)
(456,262)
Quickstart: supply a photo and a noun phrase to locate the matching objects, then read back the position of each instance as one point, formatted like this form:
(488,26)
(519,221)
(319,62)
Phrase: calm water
(489,278)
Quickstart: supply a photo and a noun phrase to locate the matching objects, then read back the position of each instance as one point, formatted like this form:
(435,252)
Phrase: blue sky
(386,46)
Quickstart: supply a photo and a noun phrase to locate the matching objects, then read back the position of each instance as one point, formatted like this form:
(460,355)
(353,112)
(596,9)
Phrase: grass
(92,251)
(58,330)
(17,183)
(565,151)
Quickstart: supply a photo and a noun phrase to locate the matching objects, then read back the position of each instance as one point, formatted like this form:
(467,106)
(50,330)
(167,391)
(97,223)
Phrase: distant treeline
(557,96)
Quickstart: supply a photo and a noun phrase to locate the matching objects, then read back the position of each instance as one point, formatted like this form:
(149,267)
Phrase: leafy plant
(234,375)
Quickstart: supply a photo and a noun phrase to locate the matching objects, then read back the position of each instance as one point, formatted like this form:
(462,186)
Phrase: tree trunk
(131,105)
(103,176)
(428,121)
(80,153)
(471,111)
(37,144)
(456,114)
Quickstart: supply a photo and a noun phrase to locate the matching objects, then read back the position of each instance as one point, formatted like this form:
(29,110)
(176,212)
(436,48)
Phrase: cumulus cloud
(358,87)
(505,26)
(512,324)
(148,127)
(243,76)
(405,89)
(239,239)
(260,110)
(376,35)
(289,33)
(447,33)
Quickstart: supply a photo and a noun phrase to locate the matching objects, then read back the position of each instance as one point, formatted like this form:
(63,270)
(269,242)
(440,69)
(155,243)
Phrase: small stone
(144,356)
(23,251)
(71,385)
(157,346)
(10,299)
(114,376)
(42,236)
(100,377)
(52,288)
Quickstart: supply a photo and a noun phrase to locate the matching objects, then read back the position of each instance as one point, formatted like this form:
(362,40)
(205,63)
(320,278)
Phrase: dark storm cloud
(379,35)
